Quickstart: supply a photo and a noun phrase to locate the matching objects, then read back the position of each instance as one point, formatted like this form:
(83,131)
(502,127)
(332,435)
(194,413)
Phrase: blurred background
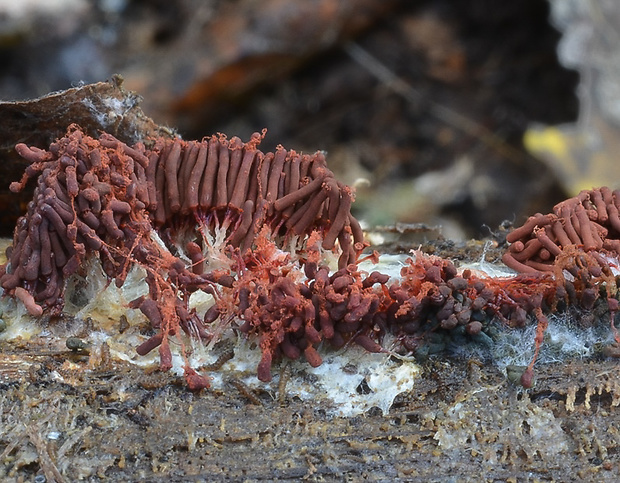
(458,113)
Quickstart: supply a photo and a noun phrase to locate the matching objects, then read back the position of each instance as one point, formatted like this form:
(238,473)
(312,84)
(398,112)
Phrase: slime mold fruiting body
(103,198)
(589,221)
(252,229)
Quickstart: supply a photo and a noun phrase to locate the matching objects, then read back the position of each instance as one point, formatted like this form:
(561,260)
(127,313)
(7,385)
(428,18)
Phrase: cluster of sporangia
(216,215)
(589,221)
(103,197)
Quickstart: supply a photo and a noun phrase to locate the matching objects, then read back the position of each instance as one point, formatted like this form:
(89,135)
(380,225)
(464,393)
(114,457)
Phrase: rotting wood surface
(462,418)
